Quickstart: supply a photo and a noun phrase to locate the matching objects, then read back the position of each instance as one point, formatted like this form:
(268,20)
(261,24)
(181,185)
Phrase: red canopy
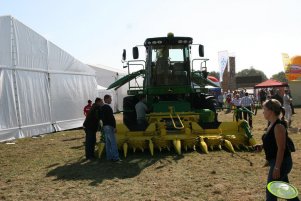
(213,79)
(271,83)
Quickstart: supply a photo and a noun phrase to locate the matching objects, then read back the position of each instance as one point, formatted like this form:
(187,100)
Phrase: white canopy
(42,88)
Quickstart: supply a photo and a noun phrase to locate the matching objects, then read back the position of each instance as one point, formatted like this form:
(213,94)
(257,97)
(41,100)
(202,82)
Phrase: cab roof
(168,41)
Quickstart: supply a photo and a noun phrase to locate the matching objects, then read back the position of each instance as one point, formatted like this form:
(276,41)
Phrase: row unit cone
(178,146)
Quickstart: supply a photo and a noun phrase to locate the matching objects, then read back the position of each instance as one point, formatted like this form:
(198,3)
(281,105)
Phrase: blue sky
(96,31)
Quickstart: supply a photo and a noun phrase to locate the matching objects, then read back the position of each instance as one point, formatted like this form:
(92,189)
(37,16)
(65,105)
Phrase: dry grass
(52,168)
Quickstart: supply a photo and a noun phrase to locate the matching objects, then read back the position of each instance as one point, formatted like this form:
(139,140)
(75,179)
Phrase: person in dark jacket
(275,146)
(91,126)
(109,129)
(277,97)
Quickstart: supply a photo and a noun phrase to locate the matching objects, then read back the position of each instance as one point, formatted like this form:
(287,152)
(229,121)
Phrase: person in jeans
(109,129)
(91,126)
(275,147)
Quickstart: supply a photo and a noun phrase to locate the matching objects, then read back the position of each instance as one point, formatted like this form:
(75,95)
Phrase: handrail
(173,122)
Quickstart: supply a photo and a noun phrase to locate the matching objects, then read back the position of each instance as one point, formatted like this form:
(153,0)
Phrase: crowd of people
(285,101)
(240,98)
(236,100)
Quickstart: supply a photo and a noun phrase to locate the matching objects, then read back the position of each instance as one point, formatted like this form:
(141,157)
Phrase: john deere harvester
(182,115)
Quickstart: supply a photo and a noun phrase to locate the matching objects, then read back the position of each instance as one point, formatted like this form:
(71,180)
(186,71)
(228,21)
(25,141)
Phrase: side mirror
(201,50)
(135,53)
(124,55)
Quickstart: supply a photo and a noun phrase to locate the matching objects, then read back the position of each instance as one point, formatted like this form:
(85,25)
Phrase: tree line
(254,72)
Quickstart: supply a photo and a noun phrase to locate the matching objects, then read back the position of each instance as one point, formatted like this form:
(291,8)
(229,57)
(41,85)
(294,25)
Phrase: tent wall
(42,88)
(9,126)
(68,96)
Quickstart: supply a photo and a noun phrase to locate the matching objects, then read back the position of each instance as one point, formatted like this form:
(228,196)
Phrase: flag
(286,61)
(223,60)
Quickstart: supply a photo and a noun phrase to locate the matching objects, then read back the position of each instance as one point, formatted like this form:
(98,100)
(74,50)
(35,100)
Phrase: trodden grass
(53,168)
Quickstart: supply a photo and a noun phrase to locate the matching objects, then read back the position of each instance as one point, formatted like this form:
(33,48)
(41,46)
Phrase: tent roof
(271,83)
(108,68)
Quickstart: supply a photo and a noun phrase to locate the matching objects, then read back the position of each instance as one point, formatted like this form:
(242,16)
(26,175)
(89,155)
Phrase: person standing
(275,146)
(277,97)
(141,110)
(292,106)
(247,102)
(91,126)
(237,103)
(262,96)
(220,100)
(109,129)
(87,107)
(287,107)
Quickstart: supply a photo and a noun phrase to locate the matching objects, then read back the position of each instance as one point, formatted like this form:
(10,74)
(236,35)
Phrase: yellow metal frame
(190,135)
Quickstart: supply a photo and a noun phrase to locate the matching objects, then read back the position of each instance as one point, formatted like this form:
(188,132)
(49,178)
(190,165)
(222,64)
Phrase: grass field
(52,167)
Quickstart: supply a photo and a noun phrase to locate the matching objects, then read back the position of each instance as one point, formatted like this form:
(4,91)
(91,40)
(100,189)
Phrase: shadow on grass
(72,139)
(77,147)
(100,170)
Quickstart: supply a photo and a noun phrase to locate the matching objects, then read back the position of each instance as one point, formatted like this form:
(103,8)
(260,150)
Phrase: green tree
(214,74)
(280,77)
(251,72)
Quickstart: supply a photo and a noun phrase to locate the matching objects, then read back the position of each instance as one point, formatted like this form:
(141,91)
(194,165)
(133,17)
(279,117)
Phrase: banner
(286,61)
(223,60)
(292,67)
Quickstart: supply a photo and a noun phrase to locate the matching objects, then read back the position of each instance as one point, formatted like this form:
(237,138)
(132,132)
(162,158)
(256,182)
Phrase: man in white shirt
(247,102)
(237,103)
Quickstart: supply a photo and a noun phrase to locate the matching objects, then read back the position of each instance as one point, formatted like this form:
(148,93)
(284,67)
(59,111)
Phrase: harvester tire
(129,112)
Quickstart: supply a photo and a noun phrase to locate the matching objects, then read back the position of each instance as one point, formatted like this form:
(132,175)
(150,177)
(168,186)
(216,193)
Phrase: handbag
(290,144)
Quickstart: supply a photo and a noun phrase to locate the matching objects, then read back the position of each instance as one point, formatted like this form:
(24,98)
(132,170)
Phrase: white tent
(42,88)
(105,76)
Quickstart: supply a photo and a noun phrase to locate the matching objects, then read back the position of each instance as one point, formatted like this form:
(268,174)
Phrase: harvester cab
(181,113)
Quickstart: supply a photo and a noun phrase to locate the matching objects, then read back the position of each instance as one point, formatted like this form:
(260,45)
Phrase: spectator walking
(109,129)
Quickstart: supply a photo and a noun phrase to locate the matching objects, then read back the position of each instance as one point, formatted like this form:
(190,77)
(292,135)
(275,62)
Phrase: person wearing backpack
(275,145)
